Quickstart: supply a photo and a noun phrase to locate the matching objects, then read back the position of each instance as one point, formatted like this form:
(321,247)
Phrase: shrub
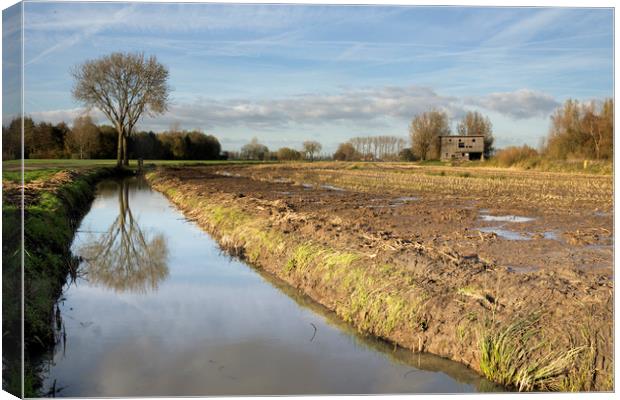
(514,155)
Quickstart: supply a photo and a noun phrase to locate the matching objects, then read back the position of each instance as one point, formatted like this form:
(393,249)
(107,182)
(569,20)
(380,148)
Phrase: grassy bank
(14,166)
(424,300)
(54,204)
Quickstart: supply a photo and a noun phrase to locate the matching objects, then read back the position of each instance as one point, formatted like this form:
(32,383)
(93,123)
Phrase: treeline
(371,148)
(87,140)
(254,150)
(579,131)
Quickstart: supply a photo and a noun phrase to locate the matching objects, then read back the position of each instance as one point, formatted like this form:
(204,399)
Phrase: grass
(515,356)
(14,166)
(49,224)
(29,176)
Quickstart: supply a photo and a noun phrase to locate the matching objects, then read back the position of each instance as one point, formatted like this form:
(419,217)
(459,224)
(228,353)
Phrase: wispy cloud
(83,34)
(332,70)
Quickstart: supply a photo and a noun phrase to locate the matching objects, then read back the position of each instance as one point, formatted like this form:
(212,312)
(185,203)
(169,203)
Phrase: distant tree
(378,147)
(254,150)
(146,145)
(83,137)
(347,152)
(12,138)
(288,154)
(598,127)
(406,155)
(46,140)
(202,146)
(425,130)
(124,86)
(475,124)
(175,144)
(108,139)
(310,148)
(581,130)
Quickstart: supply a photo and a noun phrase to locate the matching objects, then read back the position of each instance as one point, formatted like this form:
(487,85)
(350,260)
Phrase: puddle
(551,235)
(330,187)
(601,214)
(307,185)
(405,199)
(504,233)
(505,218)
(226,173)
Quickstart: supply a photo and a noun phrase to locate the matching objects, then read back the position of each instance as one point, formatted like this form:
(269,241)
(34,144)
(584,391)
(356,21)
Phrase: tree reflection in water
(124,258)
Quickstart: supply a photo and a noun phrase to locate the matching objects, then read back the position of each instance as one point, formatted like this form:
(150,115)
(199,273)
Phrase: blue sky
(287,73)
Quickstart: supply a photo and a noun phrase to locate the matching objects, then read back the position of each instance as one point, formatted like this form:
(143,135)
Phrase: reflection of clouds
(258,366)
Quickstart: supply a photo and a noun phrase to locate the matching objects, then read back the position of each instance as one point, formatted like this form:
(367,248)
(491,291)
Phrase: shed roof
(461,136)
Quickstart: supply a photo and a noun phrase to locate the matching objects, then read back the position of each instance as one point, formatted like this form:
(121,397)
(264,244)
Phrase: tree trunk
(119,150)
(125,152)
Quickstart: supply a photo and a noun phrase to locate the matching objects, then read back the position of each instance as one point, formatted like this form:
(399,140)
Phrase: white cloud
(67,115)
(520,104)
(368,107)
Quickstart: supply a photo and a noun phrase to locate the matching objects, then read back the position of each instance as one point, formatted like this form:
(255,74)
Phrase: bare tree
(124,86)
(347,152)
(254,150)
(83,137)
(311,147)
(474,123)
(378,147)
(425,130)
(581,130)
(598,126)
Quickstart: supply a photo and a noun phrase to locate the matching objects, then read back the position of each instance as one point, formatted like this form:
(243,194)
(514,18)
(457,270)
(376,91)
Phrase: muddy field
(495,256)
(569,230)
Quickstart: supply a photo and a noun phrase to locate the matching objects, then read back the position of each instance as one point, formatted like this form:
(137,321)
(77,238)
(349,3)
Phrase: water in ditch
(157,309)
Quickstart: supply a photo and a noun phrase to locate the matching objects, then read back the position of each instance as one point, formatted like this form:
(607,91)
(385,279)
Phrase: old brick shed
(462,148)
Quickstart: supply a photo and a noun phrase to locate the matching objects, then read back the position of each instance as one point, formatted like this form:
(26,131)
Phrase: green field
(41,168)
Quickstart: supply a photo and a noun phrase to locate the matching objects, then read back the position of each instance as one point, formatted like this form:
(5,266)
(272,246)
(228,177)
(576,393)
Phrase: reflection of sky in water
(506,218)
(214,326)
(505,233)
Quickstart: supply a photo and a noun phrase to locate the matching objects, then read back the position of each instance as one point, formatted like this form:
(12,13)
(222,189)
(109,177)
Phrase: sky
(289,73)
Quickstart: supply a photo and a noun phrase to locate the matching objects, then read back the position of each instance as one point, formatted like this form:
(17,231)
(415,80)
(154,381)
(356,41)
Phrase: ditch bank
(53,207)
(543,331)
